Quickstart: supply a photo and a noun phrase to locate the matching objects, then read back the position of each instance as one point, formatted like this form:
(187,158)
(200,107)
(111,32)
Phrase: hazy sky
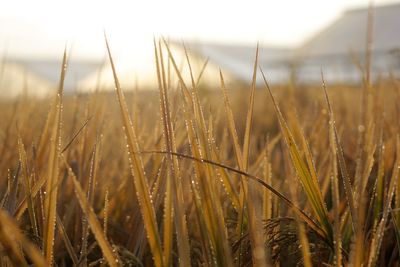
(41,28)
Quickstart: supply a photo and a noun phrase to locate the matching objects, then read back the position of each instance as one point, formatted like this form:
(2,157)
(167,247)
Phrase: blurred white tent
(334,50)
(235,61)
(140,71)
(50,69)
(40,78)
(238,60)
(338,47)
(16,79)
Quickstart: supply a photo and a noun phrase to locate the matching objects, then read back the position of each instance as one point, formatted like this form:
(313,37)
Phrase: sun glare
(131,25)
(41,29)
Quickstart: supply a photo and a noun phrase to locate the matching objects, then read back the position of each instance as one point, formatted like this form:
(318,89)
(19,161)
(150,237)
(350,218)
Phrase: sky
(42,28)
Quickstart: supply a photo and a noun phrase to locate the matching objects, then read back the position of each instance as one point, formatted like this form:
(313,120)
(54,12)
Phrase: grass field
(189,176)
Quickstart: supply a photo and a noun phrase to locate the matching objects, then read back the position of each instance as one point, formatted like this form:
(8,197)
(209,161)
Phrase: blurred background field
(293,36)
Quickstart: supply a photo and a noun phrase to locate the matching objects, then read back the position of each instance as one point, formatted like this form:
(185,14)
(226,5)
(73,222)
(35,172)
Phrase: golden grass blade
(168,206)
(380,181)
(105,213)
(23,205)
(189,66)
(10,236)
(238,154)
(94,164)
(7,193)
(256,225)
(192,99)
(302,215)
(226,182)
(67,241)
(92,219)
(231,124)
(203,68)
(28,193)
(53,171)
(396,229)
(174,183)
(168,222)
(335,197)
(209,212)
(13,251)
(239,160)
(249,118)
(267,196)
(199,144)
(305,245)
(359,248)
(13,189)
(342,164)
(203,213)
(21,208)
(76,135)
(369,148)
(397,206)
(305,174)
(159,185)
(200,216)
(195,103)
(377,237)
(137,169)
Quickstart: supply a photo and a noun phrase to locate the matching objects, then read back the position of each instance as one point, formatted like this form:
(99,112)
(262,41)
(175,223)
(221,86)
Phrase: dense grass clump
(189,176)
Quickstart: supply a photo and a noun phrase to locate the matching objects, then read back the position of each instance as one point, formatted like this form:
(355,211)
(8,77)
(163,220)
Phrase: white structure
(339,47)
(336,50)
(40,78)
(238,60)
(15,80)
(142,72)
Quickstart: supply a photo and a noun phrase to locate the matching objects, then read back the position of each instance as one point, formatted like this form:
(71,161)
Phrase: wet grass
(186,175)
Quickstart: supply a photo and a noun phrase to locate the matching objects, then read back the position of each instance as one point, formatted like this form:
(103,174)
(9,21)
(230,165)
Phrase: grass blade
(93,222)
(174,183)
(137,169)
(302,215)
(377,236)
(249,118)
(335,196)
(27,183)
(67,241)
(11,236)
(342,164)
(305,174)
(53,172)
(200,147)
